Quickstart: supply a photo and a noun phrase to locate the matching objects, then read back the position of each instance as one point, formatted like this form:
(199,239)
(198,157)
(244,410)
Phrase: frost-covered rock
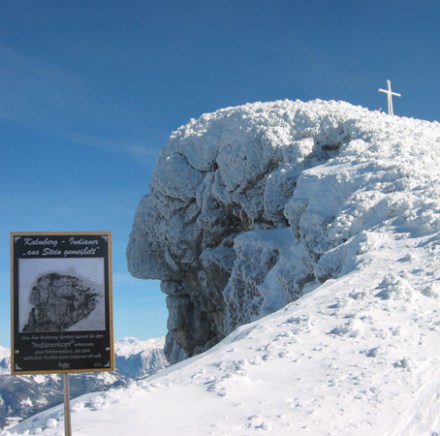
(251,206)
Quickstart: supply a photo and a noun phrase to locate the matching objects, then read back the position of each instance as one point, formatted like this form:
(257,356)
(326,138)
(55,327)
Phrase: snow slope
(357,353)
(23,396)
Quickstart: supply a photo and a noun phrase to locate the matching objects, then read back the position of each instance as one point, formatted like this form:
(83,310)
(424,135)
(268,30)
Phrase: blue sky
(91,89)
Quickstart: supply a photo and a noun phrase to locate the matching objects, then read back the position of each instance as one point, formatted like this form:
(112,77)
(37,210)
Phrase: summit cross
(389,94)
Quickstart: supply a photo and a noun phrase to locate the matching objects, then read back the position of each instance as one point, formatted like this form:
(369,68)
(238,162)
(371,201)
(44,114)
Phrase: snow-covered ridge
(140,358)
(4,352)
(250,207)
(128,346)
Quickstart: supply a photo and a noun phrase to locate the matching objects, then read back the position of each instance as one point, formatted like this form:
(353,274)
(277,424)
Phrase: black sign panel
(61,302)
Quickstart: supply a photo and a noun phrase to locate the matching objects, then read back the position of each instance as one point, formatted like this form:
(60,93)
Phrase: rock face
(60,301)
(249,207)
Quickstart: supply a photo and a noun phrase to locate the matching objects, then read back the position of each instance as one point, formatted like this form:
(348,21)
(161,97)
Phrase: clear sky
(91,89)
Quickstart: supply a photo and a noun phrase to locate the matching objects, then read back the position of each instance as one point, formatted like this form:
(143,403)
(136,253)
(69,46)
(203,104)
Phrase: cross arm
(386,91)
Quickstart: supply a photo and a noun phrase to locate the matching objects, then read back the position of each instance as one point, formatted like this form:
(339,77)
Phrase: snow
(5,360)
(26,402)
(128,346)
(344,359)
(140,358)
(357,353)
(4,352)
(39,378)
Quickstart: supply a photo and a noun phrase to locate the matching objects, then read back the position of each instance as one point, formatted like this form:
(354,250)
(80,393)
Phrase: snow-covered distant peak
(130,345)
(140,358)
(5,360)
(4,352)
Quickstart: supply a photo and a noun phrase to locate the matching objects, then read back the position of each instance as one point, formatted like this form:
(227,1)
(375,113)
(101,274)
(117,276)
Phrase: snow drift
(250,207)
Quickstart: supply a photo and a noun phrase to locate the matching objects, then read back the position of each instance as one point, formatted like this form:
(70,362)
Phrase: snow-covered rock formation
(250,207)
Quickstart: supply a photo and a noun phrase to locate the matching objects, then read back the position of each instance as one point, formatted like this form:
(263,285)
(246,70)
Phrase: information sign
(61,302)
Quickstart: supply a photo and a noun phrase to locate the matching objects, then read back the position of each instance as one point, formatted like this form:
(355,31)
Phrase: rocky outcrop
(249,207)
(60,301)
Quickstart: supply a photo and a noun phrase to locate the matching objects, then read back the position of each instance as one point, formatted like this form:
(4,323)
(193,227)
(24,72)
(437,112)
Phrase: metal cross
(389,94)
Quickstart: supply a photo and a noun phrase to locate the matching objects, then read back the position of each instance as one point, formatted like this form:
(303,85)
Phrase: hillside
(23,396)
(304,239)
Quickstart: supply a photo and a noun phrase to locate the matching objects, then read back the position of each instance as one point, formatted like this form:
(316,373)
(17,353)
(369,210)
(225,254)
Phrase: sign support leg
(67,423)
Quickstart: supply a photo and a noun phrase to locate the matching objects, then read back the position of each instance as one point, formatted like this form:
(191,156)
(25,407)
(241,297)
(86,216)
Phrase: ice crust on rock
(251,206)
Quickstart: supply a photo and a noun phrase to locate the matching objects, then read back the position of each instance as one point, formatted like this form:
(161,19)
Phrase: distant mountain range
(23,396)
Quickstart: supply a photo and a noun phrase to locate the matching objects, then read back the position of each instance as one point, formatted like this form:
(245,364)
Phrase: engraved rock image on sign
(61,294)
(60,301)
